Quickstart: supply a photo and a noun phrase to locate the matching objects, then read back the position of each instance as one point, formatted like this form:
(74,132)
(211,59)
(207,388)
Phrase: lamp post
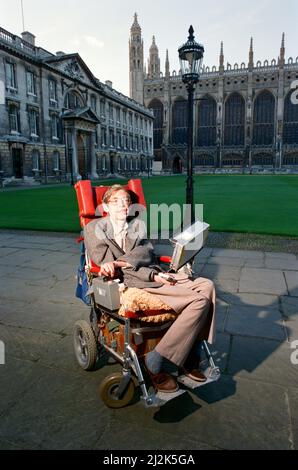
(191,57)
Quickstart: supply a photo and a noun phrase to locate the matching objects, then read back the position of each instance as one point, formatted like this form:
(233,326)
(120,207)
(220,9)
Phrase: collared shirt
(120,232)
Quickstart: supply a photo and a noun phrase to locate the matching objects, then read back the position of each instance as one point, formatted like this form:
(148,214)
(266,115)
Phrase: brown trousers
(194,300)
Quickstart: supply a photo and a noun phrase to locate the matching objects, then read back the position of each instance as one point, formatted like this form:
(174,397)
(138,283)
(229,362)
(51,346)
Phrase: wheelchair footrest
(165,397)
(212,376)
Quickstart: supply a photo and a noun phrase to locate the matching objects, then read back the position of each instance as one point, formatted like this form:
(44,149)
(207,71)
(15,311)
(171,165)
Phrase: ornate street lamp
(191,58)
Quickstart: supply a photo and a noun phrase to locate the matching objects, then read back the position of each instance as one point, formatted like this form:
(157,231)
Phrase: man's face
(118,205)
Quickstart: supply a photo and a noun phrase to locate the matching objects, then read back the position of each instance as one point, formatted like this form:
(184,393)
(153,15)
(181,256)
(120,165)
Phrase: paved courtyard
(48,402)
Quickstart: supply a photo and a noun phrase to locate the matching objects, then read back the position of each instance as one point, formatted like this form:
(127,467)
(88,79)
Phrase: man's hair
(113,189)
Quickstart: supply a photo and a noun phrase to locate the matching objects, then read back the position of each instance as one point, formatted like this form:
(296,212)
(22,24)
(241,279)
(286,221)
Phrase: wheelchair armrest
(94,269)
(164,259)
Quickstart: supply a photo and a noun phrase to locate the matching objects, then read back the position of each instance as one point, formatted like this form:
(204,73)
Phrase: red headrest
(90,197)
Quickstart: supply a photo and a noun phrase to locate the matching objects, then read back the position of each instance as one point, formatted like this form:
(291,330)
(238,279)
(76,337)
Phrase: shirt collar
(119,227)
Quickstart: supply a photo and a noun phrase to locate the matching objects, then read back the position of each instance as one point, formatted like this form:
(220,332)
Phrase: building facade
(59,122)
(243,114)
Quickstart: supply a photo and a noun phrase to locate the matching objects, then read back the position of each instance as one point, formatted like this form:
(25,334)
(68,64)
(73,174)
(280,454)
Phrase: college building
(243,115)
(58,122)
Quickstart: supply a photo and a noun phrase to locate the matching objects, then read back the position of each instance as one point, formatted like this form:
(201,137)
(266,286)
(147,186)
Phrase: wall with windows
(36,100)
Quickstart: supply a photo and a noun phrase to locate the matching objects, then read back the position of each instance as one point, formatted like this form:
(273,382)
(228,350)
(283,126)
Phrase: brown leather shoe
(162,382)
(194,374)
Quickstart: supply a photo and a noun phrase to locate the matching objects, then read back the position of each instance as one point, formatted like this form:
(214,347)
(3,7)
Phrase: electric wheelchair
(120,326)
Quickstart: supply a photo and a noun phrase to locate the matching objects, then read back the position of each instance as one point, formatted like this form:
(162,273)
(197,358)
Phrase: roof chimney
(109,83)
(28,37)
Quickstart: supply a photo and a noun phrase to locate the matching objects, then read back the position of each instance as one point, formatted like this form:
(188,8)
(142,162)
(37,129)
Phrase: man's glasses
(118,200)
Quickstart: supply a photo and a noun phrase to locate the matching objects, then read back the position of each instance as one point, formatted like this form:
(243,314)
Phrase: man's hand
(162,280)
(107,269)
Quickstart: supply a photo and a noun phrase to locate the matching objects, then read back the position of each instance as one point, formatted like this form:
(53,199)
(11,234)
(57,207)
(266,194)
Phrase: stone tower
(154,61)
(136,62)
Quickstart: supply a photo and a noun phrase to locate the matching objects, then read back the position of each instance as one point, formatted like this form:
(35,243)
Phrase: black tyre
(109,387)
(84,345)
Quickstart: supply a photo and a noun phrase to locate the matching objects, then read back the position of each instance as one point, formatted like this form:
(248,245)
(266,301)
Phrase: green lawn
(237,203)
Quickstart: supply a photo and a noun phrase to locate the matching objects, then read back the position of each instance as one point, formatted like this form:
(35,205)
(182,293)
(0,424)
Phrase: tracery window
(234,120)
(263,128)
(157,108)
(290,131)
(207,122)
(179,122)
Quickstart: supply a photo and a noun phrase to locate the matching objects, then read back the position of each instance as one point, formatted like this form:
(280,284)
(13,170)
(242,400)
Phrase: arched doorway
(177,165)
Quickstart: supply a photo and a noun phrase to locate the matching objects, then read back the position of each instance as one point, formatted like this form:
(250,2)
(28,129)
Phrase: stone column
(94,174)
(75,163)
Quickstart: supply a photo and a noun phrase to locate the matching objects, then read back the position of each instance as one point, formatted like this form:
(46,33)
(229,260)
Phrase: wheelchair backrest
(90,197)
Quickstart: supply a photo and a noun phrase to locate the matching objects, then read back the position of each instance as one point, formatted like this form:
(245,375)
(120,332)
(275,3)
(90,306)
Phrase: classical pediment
(84,114)
(74,66)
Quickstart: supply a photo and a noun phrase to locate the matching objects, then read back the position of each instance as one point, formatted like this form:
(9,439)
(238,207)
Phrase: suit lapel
(109,232)
(131,239)
(132,235)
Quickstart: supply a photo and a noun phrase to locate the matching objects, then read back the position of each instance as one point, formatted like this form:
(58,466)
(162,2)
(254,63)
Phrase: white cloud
(90,41)
(93,42)
(76,42)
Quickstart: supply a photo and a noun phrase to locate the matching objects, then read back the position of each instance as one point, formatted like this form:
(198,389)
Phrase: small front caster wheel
(108,391)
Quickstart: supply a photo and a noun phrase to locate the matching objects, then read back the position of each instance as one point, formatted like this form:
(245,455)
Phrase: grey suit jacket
(101,248)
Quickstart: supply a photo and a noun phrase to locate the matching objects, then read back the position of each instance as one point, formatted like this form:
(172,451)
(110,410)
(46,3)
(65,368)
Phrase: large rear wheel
(85,345)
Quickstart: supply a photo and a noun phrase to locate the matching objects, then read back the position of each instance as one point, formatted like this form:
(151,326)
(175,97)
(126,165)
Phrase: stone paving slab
(221,315)
(289,307)
(47,401)
(8,308)
(223,261)
(254,263)
(18,375)
(46,239)
(292,282)
(291,327)
(5,271)
(251,299)
(22,257)
(283,256)
(262,322)
(282,264)
(221,272)
(229,414)
(25,343)
(120,439)
(263,360)
(226,285)
(44,316)
(63,272)
(67,414)
(293,407)
(7,251)
(8,291)
(265,281)
(246,254)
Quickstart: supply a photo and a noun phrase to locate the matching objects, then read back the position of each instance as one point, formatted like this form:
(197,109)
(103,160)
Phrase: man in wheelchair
(118,244)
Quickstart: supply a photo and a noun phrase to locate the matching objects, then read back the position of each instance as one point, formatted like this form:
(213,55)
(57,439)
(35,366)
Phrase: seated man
(118,244)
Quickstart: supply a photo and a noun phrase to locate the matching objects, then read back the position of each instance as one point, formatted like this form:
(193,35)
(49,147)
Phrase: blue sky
(99,30)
